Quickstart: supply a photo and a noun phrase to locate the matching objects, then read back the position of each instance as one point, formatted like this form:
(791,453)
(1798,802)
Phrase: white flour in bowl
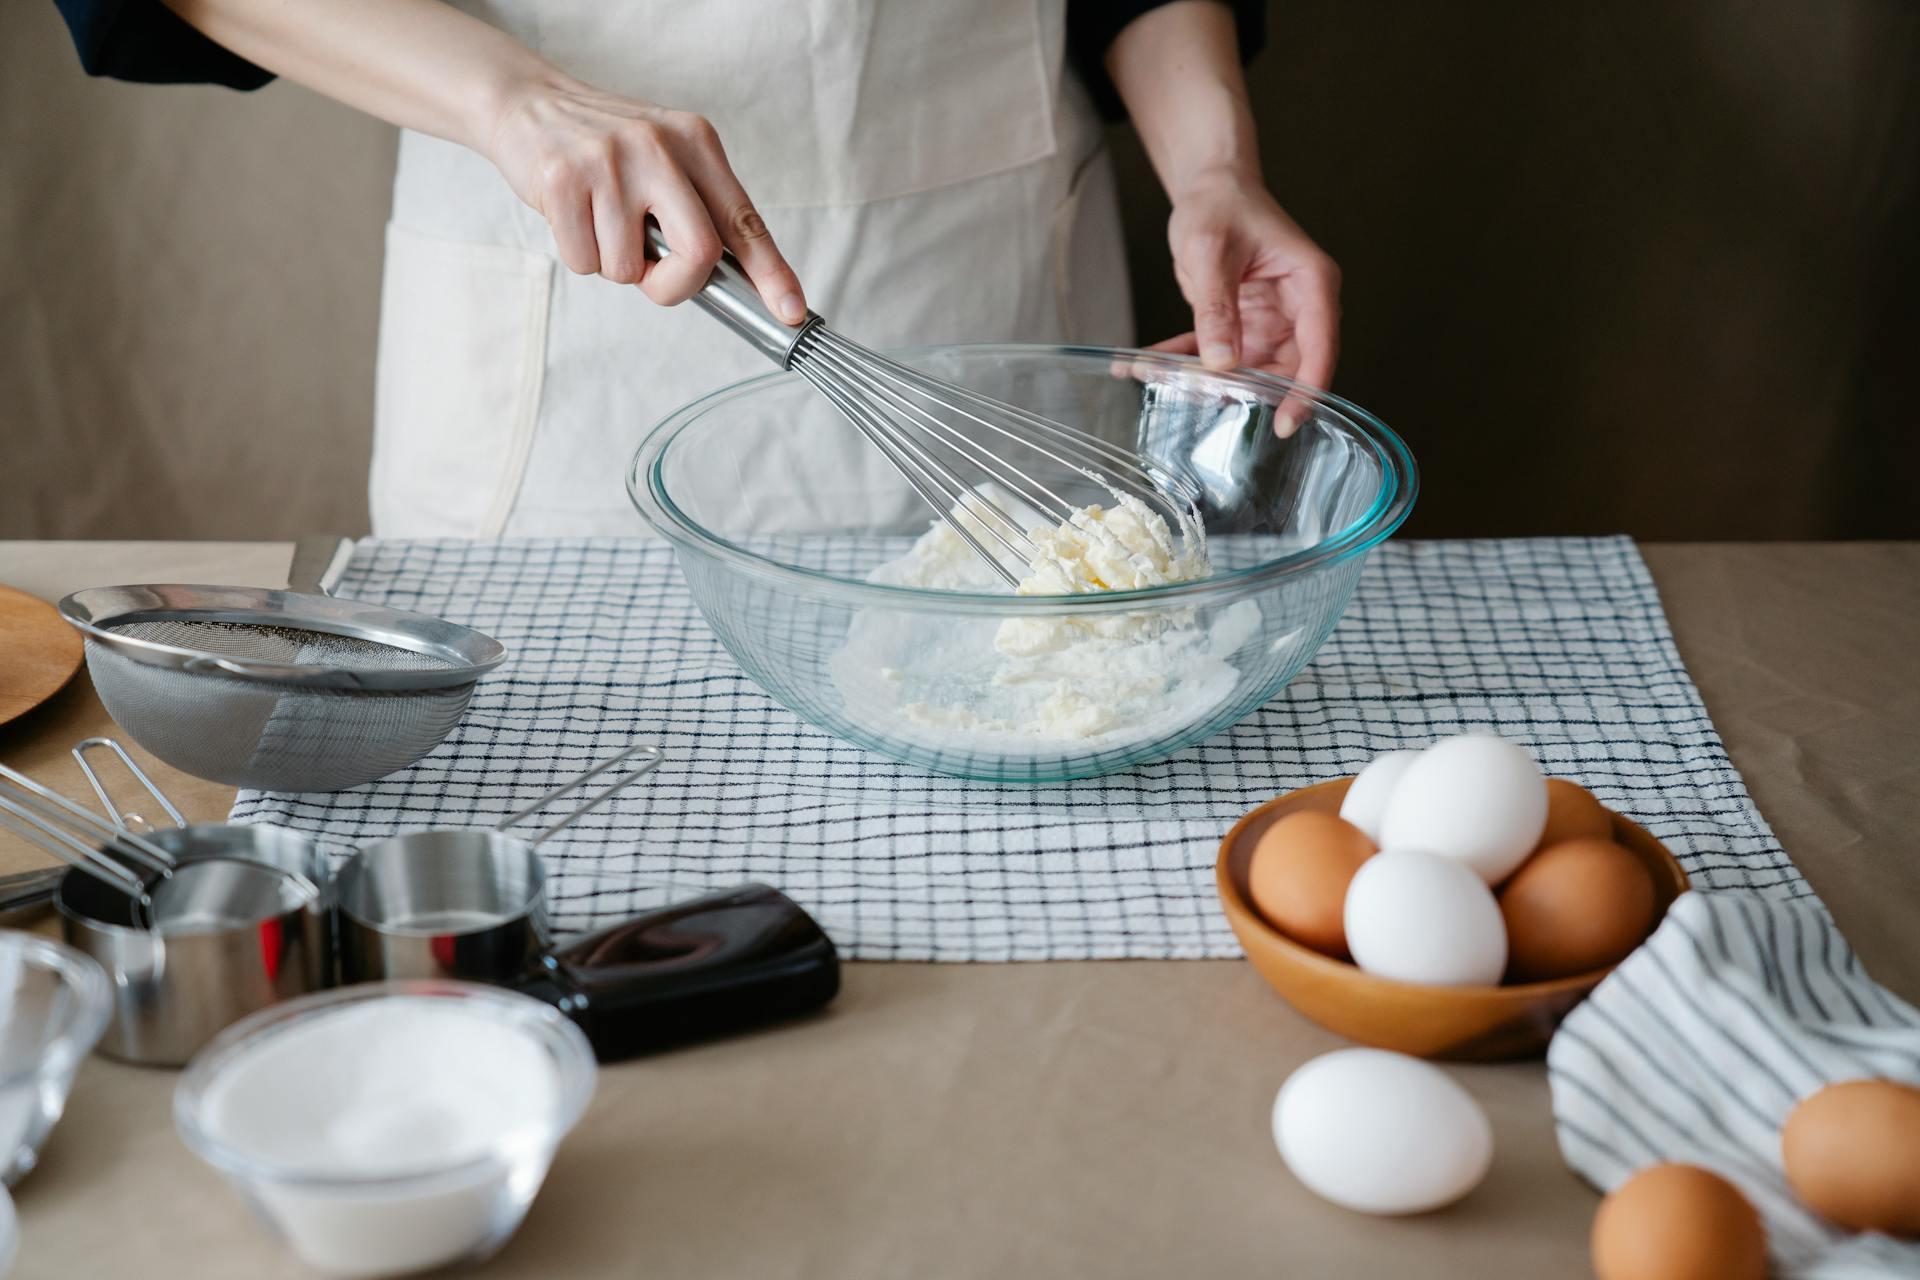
(1038,684)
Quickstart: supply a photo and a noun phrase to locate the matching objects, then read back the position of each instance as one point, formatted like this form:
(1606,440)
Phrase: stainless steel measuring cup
(472,905)
(458,904)
(249,928)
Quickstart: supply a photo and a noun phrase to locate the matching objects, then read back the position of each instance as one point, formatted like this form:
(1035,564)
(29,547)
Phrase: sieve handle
(319,562)
(730,297)
(651,756)
(128,821)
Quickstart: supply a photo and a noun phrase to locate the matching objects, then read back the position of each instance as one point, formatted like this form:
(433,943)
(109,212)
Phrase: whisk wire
(1015,481)
(875,381)
(924,481)
(945,395)
(916,422)
(1035,495)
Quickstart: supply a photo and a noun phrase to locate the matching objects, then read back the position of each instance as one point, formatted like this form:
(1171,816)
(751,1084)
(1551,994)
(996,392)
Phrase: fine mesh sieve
(278,690)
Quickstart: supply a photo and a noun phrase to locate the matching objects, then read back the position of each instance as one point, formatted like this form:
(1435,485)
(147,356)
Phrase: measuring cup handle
(650,757)
(717,964)
(125,821)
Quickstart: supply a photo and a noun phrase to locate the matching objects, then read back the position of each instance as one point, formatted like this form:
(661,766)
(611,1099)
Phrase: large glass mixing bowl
(779,511)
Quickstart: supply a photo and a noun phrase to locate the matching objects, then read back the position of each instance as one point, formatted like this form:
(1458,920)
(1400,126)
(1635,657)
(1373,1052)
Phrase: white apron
(928,166)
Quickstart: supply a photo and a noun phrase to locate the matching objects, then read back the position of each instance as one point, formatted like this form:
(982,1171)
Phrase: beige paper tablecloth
(1055,1119)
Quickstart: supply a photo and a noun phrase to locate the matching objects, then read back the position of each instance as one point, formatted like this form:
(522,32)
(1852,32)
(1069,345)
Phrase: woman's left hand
(1264,296)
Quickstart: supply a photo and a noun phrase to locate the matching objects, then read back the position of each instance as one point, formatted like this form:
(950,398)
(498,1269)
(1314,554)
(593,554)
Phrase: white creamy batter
(1044,683)
(1120,548)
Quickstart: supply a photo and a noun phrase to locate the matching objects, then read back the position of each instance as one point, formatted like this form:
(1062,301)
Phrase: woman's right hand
(596,165)
(593,164)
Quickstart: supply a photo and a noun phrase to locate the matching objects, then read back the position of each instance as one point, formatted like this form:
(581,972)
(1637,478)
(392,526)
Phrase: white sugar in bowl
(389,1128)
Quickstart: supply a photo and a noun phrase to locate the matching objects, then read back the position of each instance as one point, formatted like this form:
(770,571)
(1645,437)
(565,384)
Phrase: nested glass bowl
(54,1004)
(781,514)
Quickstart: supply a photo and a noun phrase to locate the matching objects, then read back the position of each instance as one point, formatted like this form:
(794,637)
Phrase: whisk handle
(729,297)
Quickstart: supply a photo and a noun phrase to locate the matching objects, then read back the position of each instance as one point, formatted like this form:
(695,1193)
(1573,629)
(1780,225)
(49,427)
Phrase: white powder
(404,1087)
(1038,684)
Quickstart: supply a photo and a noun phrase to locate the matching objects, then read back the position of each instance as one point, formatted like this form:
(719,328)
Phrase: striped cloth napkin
(1698,1046)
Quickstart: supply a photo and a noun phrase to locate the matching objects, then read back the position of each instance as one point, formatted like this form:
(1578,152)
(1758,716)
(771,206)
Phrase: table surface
(1027,1119)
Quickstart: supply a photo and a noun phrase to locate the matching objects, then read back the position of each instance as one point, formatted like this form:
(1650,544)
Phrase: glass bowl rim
(1389,510)
(83,1025)
(575,1072)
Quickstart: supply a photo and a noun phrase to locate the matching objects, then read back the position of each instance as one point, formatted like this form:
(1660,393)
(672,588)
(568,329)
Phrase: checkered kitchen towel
(1559,644)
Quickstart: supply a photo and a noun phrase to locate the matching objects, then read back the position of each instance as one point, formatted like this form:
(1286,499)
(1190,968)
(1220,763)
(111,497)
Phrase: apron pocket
(463,336)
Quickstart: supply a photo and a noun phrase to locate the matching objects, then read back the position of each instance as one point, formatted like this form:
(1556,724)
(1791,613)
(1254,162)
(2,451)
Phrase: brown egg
(1299,877)
(1573,814)
(1852,1154)
(1574,907)
(1678,1222)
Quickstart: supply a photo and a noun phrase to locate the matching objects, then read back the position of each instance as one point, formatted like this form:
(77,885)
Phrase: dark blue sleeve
(144,40)
(1093,24)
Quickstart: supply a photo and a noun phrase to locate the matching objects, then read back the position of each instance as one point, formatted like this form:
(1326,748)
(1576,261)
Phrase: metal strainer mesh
(256,733)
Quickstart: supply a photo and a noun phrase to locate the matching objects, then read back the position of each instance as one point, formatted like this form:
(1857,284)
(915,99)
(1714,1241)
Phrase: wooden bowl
(1461,1023)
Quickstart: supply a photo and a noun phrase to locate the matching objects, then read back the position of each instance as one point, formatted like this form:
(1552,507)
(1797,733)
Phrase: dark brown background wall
(1642,267)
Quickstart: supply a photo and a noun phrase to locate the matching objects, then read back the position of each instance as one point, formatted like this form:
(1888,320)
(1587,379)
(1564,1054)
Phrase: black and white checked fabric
(1700,1044)
(1559,644)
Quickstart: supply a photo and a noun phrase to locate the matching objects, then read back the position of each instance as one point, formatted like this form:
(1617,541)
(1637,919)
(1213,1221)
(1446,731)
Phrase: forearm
(420,64)
(1262,292)
(1177,68)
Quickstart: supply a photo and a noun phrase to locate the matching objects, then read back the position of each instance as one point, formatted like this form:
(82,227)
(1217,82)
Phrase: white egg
(1380,1132)
(1419,917)
(1478,799)
(1366,800)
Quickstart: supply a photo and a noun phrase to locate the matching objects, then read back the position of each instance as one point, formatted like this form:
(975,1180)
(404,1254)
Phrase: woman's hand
(596,165)
(1263,294)
(593,164)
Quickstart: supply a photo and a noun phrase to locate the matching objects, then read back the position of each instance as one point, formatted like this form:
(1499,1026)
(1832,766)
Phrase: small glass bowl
(780,514)
(54,1004)
(392,1222)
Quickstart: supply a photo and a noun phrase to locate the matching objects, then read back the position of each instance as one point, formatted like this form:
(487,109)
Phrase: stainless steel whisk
(916,421)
